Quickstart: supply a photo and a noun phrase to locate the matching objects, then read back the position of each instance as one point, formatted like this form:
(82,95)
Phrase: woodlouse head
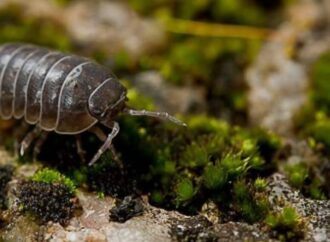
(110,98)
(107,100)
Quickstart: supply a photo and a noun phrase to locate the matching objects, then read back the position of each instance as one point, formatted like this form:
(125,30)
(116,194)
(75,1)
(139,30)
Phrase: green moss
(185,191)
(314,119)
(50,176)
(313,124)
(321,84)
(183,168)
(297,174)
(306,179)
(251,205)
(214,176)
(235,165)
(202,124)
(260,184)
(287,224)
(320,129)
(138,101)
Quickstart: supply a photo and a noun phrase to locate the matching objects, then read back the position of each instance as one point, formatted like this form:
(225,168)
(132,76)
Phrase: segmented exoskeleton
(59,92)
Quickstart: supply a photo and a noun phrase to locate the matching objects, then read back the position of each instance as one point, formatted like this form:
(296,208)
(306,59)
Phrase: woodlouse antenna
(161,115)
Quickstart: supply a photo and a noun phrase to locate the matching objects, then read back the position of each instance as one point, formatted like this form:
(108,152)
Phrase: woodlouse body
(52,89)
(60,92)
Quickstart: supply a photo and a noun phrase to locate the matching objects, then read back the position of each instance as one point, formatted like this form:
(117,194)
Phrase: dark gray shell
(49,88)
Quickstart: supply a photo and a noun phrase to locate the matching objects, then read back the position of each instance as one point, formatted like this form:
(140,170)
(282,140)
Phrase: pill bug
(63,93)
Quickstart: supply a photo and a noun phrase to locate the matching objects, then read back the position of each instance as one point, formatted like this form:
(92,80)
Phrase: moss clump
(260,184)
(253,205)
(306,180)
(313,123)
(6,173)
(214,176)
(185,190)
(183,168)
(297,174)
(53,177)
(47,202)
(286,225)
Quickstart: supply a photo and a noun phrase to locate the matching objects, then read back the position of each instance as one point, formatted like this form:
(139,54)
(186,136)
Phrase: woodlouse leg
(19,135)
(80,150)
(107,144)
(102,136)
(28,139)
(161,115)
(40,141)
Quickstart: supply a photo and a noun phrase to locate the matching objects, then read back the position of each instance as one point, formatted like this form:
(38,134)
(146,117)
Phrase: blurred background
(188,56)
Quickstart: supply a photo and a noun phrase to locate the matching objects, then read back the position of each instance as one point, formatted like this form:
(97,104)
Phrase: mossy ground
(182,168)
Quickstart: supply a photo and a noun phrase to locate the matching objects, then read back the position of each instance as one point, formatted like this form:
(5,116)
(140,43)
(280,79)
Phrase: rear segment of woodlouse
(60,92)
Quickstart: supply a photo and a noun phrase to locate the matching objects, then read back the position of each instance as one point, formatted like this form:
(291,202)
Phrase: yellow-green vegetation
(210,160)
(260,184)
(321,85)
(251,204)
(138,101)
(62,2)
(313,123)
(304,178)
(185,190)
(182,168)
(224,10)
(314,119)
(287,224)
(15,26)
(51,176)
